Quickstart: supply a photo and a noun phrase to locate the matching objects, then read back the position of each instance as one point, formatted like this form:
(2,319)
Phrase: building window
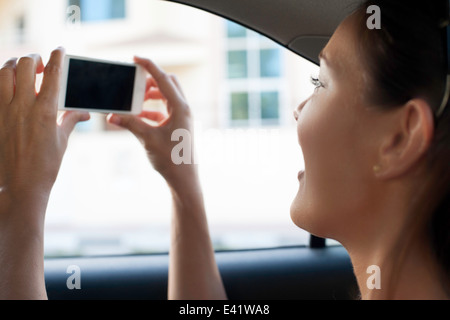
(239,106)
(100,10)
(270,105)
(254,71)
(270,63)
(237,64)
(235,30)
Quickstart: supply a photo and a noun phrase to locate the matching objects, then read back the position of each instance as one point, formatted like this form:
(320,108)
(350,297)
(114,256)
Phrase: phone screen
(99,86)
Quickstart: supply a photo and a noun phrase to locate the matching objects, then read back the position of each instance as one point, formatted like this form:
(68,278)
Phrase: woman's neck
(390,250)
(410,273)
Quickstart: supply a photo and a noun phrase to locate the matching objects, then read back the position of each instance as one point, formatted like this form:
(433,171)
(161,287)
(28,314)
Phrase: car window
(242,88)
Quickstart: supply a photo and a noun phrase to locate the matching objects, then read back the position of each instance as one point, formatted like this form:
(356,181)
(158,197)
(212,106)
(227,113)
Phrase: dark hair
(406,59)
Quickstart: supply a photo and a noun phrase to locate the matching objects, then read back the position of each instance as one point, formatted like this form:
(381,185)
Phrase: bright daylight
(242,88)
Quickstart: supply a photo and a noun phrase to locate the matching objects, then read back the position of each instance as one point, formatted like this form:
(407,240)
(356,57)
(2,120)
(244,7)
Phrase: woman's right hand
(193,272)
(157,139)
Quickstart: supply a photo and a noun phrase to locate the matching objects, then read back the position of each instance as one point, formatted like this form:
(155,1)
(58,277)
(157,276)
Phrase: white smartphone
(102,86)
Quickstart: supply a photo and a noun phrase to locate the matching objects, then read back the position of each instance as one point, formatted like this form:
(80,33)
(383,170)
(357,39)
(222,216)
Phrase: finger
(165,83)
(7,80)
(154,94)
(153,116)
(132,123)
(50,87)
(177,84)
(152,91)
(151,83)
(26,69)
(69,120)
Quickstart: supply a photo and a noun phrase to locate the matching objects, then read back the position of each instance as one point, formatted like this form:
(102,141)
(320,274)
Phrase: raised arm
(32,145)
(193,272)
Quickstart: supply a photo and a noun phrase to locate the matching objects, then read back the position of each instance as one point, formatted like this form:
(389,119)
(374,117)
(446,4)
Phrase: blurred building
(233,77)
(241,86)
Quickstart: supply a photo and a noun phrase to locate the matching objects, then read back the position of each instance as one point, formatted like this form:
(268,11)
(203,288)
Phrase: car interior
(314,271)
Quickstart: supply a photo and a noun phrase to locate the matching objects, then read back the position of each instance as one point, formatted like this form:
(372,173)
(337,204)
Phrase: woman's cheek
(312,130)
(304,208)
(305,124)
(320,139)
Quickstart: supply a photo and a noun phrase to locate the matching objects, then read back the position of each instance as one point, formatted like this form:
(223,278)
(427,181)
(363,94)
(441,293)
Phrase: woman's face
(338,136)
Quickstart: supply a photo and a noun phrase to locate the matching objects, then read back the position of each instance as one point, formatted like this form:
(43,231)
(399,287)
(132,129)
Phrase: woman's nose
(299,109)
(296,114)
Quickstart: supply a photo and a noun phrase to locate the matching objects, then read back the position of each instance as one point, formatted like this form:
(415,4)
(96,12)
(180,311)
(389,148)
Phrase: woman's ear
(407,141)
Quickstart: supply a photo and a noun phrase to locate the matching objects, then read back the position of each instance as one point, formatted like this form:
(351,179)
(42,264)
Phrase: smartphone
(101,86)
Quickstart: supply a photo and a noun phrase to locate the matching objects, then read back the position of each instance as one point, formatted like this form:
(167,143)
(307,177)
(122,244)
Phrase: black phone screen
(99,86)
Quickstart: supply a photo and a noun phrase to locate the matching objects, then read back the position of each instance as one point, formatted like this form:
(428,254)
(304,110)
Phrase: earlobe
(408,141)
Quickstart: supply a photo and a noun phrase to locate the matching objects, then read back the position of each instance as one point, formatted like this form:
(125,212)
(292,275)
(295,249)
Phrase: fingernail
(113,119)
(85,116)
(62,49)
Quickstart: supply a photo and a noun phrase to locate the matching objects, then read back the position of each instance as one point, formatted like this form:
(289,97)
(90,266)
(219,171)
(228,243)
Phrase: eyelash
(316,82)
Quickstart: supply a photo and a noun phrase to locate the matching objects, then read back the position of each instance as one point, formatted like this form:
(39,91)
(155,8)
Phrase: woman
(384,193)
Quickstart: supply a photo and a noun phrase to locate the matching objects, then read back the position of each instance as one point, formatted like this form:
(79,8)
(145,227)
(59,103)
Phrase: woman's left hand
(32,141)
(32,145)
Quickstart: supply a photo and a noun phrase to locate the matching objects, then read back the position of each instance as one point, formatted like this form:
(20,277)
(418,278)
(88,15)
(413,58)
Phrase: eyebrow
(323,56)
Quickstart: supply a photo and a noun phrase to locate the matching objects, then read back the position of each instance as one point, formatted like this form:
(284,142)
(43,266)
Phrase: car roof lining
(305,27)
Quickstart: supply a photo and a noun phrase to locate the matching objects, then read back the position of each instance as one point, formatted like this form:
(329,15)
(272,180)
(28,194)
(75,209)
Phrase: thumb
(69,120)
(132,123)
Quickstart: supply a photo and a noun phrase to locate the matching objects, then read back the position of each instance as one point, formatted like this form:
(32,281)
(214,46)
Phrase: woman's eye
(316,83)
